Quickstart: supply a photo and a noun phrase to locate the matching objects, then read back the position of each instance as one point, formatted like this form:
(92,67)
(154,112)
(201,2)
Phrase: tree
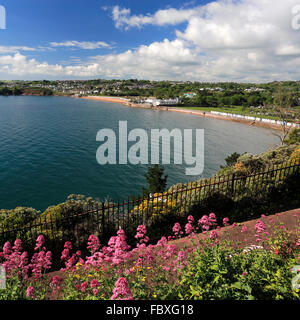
(283,100)
(156,182)
(294,137)
(231,160)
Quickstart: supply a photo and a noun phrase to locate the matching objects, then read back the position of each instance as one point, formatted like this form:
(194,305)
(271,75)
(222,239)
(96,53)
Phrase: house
(189,95)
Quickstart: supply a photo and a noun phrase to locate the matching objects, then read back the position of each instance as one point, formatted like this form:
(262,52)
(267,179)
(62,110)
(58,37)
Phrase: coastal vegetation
(30,91)
(247,185)
(198,260)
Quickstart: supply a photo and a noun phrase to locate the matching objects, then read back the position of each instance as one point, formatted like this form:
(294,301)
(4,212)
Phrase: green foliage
(214,273)
(156,182)
(4,91)
(231,160)
(294,137)
(10,219)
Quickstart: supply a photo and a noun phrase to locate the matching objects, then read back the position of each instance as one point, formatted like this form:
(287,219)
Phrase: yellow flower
(144,279)
(154,296)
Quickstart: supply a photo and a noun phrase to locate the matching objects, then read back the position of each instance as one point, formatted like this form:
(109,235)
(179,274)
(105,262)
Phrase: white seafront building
(240,116)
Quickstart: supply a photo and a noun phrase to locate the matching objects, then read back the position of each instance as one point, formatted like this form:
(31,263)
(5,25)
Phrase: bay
(48,148)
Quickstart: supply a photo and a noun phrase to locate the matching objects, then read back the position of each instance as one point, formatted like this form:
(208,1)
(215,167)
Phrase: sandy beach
(108,99)
(126,102)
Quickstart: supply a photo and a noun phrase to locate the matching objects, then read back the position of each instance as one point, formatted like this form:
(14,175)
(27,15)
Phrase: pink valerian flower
(259,226)
(181,260)
(244,229)
(96,259)
(14,260)
(56,284)
(162,242)
(171,250)
(95,291)
(117,250)
(7,250)
(205,223)
(298,243)
(71,260)
(213,235)
(190,219)
(17,248)
(40,241)
(95,283)
(68,245)
(30,293)
(93,244)
(40,262)
(177,229)
(226,222)
(141,234)
(84,286)
(212,219)
(121,290)
(189,228)
(65,255)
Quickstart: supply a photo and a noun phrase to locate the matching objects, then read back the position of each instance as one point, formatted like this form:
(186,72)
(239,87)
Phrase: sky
(211,41)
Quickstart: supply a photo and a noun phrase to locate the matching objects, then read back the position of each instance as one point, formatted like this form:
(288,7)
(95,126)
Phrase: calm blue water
(48,148)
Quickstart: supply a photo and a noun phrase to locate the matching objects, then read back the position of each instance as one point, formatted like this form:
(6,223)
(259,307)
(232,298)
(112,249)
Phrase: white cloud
(123,18)
(86,45)
(14,49)
(245,40)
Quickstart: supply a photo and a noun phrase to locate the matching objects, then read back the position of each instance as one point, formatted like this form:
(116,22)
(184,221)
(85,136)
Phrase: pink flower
(68,245)
(162,242)
(298,243)
(95,291)
(121,290)
(93,244)
(176,229)
(191,219)
(84,286)
(141,234)
(226,222)
(213,235)
(244,229)
(182,256)
(55,283)
(40,241)
(205,223)
(260,226)
(30,292)
(189,228)
(212,218)
(95,283)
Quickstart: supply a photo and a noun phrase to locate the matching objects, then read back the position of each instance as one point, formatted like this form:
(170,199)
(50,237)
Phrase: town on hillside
(264,99)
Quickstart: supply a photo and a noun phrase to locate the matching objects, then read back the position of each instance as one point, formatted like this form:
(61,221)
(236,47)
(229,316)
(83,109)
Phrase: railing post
(103,220)
(232,185)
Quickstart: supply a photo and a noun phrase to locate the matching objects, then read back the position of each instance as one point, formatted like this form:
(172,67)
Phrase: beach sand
(107,99)
(126,102)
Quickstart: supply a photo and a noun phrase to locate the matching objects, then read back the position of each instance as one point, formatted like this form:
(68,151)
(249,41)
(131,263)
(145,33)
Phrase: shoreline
(203,114)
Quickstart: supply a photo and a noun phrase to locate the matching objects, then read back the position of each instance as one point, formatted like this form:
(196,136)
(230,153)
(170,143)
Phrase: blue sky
(219,40)
(36,23)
